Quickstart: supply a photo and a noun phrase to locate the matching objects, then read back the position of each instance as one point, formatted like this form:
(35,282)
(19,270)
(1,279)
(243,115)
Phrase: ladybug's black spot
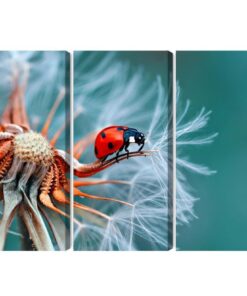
(103,135)
(110,145)
(96,151)
(119,128)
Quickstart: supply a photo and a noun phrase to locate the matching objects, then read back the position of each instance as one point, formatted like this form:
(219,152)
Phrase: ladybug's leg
(126,149)
(104,158)
(117,155)
(141,147)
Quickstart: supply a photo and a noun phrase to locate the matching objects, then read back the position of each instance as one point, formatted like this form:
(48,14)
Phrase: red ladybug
(114,139)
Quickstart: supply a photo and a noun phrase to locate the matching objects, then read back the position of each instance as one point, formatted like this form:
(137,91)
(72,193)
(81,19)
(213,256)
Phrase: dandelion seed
(185,131)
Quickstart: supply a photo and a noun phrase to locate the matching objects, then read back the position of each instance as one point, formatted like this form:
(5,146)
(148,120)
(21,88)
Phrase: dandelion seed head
(33,147)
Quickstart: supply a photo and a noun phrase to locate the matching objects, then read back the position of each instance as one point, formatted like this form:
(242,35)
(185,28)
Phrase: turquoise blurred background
(217,81)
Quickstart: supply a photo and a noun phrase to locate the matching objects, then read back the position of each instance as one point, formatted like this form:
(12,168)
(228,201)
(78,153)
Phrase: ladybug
(114,139)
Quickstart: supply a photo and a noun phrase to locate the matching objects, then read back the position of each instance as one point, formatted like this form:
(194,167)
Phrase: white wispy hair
(185,136)
(111,94)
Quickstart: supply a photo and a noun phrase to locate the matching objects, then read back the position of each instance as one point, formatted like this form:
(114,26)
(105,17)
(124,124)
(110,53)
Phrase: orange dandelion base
(25,154)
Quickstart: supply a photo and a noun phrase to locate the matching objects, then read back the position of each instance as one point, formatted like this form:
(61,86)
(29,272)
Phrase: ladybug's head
(139,138)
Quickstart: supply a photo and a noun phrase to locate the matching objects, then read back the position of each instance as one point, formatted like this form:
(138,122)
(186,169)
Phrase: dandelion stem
(91,210)
(15,111)
(82,144)
(12,199)
(87,170)
(86,195)
(58,100)
(92,182)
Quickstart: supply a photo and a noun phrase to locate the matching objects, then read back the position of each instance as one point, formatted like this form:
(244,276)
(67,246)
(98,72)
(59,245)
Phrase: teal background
(217,81)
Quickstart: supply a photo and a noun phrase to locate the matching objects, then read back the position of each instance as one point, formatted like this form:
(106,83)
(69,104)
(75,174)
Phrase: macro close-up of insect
(116,138)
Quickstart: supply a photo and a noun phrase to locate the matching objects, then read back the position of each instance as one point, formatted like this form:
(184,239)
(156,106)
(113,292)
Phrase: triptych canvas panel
(100,175)
(212,89)
(34,138)
(123,145)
